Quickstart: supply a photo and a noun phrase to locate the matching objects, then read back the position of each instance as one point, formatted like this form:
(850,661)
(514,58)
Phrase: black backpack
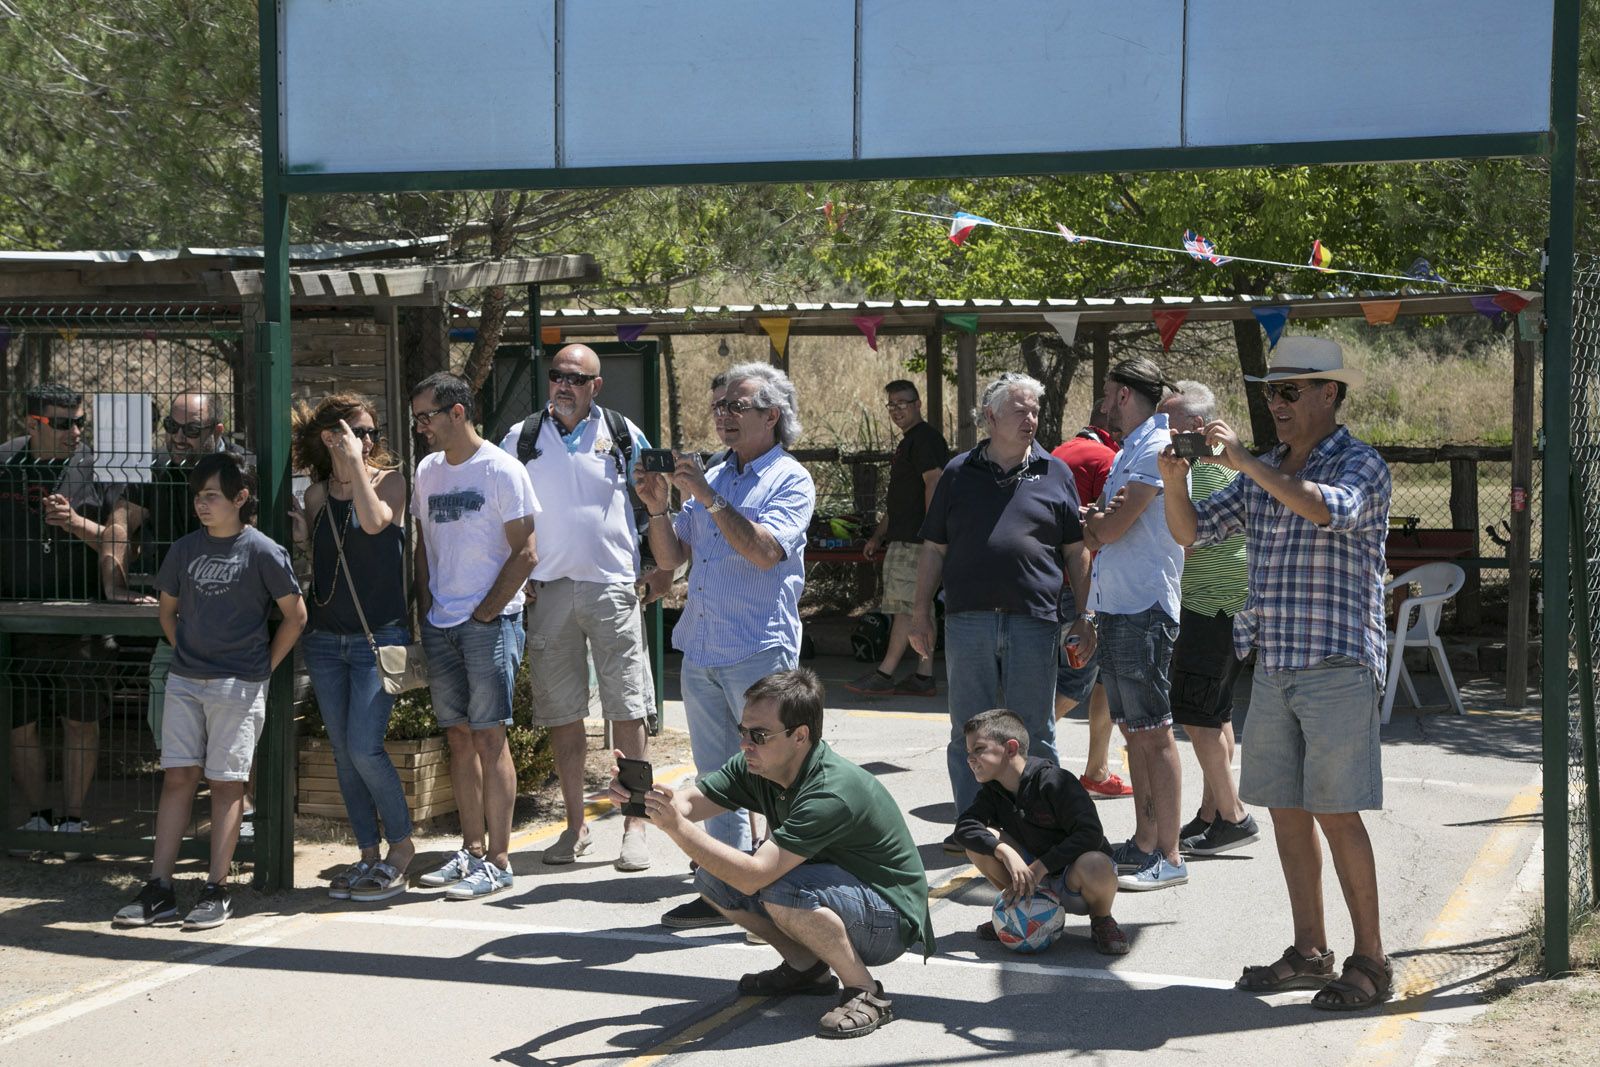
(528,450)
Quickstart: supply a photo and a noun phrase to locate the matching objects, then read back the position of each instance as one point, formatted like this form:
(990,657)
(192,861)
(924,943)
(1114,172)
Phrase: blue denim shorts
(472,669)
(870,921)
(1314,741)
(1135,658)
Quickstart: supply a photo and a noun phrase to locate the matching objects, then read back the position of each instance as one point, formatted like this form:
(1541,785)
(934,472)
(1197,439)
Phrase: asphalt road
(571,966)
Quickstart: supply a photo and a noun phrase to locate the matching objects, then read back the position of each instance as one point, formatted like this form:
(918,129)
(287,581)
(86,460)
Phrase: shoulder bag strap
(350,580)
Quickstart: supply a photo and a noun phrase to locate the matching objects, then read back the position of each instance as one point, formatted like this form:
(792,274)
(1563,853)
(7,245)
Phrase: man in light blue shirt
(1135,591)
(744,525)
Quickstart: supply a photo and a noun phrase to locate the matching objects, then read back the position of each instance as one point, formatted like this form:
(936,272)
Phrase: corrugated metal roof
(307,253)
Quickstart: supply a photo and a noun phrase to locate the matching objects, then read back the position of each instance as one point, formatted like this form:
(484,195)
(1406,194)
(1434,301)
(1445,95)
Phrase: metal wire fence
(1583,793)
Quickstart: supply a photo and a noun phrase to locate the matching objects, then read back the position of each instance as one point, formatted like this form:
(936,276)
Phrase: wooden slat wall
(329,357)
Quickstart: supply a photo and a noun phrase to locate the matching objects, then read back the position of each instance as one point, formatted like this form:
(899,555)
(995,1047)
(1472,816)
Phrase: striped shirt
(1216,577)
(735,609)
(1315,591)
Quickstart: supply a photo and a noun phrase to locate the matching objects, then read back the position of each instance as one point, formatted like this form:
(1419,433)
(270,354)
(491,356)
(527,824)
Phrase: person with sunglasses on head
(744,524)
(355,521)
(583,595)
(1315,514)
(838,888)
(50,512)
(474,509)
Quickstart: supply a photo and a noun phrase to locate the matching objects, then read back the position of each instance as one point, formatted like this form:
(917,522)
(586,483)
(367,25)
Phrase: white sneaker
(72,826)
(36,824)
(452,872)
(483,879)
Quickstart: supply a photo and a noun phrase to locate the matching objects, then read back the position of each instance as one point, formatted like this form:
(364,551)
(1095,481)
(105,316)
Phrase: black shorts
(1204,669)
(64,676)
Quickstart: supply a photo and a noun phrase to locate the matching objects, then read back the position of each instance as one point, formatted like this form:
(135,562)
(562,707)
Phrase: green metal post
(275,778)
(1557,480)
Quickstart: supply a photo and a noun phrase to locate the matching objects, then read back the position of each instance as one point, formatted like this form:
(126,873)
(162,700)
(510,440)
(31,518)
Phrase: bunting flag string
(1272,320)
(1065,323)
(1489,307)
(1167,323)
(964,323)
(1380,312)
(1202,249)
(1321,256)
(778,332)
(631,333)
(962,224)
(868,325)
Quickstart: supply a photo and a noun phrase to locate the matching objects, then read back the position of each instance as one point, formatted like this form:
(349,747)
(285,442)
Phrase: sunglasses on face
(734,407)
(62,423)
(1289,391)
(559,377)
(423,418)
(191,430)
(365,433)
(759,737)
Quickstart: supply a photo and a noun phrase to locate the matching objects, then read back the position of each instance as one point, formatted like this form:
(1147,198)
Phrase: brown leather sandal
(784,980)
(1341,994)
(1305,972)
(860,1012)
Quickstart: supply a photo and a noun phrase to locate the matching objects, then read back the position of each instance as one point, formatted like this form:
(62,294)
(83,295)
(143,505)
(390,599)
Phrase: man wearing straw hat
(1315,512)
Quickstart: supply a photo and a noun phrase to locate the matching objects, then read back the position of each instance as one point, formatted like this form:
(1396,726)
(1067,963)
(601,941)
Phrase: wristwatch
(718,502)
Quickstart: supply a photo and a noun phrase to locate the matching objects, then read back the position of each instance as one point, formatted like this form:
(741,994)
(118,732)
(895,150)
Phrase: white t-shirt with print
(462,511)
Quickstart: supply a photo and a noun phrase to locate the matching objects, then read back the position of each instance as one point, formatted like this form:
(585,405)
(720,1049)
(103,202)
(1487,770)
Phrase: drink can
(1075,651)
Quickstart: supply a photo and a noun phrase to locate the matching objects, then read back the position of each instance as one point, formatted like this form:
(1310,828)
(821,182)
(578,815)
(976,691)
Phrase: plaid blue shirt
(1315,591)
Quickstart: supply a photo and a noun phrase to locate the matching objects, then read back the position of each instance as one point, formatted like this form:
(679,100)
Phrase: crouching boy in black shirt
(1049,836)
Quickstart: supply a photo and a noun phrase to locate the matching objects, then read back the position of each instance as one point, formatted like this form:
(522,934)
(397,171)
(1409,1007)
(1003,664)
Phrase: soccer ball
(1032,924)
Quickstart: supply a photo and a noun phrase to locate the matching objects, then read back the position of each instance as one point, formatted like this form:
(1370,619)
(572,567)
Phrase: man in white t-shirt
(474,509)
(585,601)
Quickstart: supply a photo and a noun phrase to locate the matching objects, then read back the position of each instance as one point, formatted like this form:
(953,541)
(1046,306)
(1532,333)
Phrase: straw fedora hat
(1309,357)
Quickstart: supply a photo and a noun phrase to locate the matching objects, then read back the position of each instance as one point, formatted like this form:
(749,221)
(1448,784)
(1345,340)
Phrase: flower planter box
(424,768)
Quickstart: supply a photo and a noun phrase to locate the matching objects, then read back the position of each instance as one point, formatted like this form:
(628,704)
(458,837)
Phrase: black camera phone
(638,778)
(1190,446)
(659,460)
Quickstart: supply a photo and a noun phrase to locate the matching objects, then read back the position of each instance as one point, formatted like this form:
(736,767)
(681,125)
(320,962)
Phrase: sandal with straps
(783,980)
(339,886)
(860,1012)
(382,881)
(1341,994)
(1305,972)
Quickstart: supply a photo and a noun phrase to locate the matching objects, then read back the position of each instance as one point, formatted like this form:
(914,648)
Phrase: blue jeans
(713,702)
(997,660)
(472,669)
(355,709)
(870,921)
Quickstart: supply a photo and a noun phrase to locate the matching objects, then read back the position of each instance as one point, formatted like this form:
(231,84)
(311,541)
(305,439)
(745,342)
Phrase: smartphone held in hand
(637,776)
(1191,446)
(658,460)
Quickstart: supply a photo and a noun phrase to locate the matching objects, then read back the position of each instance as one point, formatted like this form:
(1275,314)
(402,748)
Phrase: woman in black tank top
(358,499)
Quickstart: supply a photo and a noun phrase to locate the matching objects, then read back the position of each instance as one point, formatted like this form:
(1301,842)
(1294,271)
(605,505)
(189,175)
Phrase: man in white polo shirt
(583,595)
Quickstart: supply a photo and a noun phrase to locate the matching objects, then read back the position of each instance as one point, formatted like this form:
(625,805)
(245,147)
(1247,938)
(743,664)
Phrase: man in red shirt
(1089,453)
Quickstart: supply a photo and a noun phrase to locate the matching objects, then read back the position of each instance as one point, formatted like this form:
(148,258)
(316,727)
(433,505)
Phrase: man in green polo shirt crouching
(838,886)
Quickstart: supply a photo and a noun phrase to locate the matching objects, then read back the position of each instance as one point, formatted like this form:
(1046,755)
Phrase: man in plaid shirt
(1315,511)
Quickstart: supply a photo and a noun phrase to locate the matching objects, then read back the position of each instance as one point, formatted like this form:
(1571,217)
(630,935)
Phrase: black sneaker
(212,909)
(1223,835)
(1193,828)
(694,914)
(154,904)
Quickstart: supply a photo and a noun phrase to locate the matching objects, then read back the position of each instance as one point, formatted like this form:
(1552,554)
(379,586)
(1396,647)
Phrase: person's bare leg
(1097,768)
(499,792)
(570,744)
(1156,758)
(227,811)
(1213,750)
(822,934)
(1144,823)
(27,763)
(80,755)
(1358,878)
(899,641)
(1300,854)
(466,779)
(991,868)
(1095,877)
(632,737)
(172,817)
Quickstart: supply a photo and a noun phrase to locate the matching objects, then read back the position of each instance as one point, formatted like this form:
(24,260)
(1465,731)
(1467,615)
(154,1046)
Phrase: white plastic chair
(1417,626)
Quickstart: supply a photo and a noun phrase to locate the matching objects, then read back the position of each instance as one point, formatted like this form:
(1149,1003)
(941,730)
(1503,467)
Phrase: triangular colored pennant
(1489,308)
(961,226)
(1511,300)
(1201,248)
(632,332)
(1527,327)
(868,325)
(1167,323)
(550,335)
(1071,237)
(964,323)
(1423,271)
(1321,255)
(1272,320)
(1065,323)
(778,332)
(1380,312)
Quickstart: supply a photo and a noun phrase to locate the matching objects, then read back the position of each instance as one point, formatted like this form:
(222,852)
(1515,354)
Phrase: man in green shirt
(837,887)
(1204,665)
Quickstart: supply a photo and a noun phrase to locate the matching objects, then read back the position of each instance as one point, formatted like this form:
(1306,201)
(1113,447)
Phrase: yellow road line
(597,805)
(1455,923)
(959,881)
(673,1044)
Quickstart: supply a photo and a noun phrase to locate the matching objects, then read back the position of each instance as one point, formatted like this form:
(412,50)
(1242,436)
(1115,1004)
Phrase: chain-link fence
(105,410)
(1583,794)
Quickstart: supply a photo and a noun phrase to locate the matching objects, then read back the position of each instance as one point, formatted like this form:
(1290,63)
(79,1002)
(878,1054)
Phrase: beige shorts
(212,723)
(571,621)
(899,577)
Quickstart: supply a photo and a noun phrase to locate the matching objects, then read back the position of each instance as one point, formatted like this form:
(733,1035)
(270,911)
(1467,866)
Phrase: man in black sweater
(1049,836)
